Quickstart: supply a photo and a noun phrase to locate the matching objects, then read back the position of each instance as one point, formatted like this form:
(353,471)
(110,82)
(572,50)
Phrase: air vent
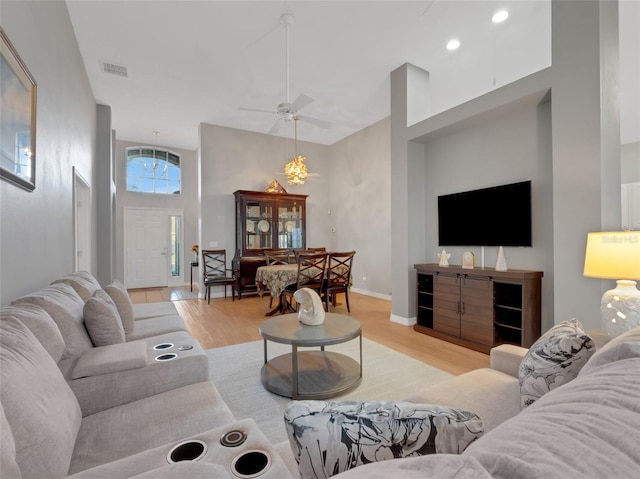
(113,69)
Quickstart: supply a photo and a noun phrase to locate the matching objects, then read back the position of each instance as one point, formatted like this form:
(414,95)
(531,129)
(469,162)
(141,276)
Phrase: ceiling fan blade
(274,129)
(300,102)
(314,121)
(256,109)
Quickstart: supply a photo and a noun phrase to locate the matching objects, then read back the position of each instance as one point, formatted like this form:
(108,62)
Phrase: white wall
(37,233)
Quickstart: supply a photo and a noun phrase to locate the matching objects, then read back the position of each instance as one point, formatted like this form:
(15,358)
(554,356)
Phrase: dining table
(275,278)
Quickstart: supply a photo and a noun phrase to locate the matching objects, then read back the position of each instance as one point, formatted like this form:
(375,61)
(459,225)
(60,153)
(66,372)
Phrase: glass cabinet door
(258,228)
(290,224)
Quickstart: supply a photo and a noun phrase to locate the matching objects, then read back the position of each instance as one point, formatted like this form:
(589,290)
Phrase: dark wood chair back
(338,276)
(279,256)
(311,270)
(215,272)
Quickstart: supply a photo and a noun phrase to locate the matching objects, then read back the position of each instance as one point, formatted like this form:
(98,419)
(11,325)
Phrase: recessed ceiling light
(500,16)
(453,44)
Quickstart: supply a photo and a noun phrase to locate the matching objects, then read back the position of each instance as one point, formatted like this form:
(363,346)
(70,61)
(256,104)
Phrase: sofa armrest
(506,358)
(111,359)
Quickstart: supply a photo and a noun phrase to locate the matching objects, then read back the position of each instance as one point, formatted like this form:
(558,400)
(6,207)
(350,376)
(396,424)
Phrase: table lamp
(616,255)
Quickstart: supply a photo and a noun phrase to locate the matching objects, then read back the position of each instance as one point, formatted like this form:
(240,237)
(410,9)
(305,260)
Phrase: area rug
(387,375)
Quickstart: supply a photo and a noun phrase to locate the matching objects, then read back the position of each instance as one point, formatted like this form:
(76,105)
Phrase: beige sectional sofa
(588,427)
(70,408)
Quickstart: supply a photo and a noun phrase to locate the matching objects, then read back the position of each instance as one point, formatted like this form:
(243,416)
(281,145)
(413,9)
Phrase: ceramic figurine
(311,310)
(444,257)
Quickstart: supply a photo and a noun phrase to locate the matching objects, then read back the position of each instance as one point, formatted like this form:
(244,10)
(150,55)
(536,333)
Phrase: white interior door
(82,222)
(146,240)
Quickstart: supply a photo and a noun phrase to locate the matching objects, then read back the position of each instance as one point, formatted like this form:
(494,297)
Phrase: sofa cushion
(146,328)
(436,466)
(120,297)
(588,428)
(41,325)
(625,346)
(84,283)
(554,359)
(102,320)
(491,394)
(39,406)
(65,307)
(153,310)
(8,465)
(330,437)
(111,359)
(147,423)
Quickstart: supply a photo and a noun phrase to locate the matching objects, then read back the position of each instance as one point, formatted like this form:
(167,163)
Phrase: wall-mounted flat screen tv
(495,216)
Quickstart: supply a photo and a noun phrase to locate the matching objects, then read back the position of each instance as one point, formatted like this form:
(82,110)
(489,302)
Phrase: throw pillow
(120,297)
(327,437)
(554,359)
(102,320)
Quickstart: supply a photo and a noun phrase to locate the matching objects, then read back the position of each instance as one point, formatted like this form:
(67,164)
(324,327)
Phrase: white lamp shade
(613,255)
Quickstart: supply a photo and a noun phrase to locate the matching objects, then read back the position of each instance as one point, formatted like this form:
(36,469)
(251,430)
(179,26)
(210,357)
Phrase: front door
(146,241)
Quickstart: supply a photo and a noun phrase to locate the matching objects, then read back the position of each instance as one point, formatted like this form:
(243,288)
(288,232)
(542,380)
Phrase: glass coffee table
(311,374)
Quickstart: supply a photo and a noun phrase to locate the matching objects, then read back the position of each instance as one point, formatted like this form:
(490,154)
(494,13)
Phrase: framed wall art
(17,118)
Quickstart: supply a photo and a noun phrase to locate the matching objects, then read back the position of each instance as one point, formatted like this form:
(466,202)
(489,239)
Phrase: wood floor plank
(225,322)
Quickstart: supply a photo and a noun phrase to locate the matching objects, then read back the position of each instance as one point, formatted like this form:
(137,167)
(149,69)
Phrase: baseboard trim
(402,320)
(386,297)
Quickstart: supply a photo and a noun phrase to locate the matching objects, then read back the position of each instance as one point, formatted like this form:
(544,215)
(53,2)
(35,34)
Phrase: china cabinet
(265,221)
(478,308)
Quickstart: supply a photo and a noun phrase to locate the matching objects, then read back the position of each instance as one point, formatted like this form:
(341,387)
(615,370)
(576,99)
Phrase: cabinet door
(446,305)
(257,228)
(476,320)
(290,224)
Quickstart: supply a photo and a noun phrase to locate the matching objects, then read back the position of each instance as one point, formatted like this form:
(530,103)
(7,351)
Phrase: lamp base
(620,308)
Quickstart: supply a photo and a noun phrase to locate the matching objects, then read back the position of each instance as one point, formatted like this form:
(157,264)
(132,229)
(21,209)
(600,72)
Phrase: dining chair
(279,256)
(216,273)
(311,272)
(311,250)
(338,277)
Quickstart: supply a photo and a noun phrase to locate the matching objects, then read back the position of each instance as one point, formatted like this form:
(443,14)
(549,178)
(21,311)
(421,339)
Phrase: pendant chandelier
(296,170)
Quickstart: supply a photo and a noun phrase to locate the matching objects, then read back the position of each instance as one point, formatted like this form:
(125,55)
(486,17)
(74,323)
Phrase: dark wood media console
(478,308)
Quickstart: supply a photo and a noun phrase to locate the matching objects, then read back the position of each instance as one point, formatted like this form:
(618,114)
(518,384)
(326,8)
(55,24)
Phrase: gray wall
(557,127)
(360,202)
(630,163)
(37,234)
(353,186)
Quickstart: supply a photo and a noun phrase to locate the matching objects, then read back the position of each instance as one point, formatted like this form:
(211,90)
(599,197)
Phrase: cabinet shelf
(479,308)
(508,326)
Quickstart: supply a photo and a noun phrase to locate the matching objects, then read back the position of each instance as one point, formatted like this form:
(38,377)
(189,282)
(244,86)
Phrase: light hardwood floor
(225,322)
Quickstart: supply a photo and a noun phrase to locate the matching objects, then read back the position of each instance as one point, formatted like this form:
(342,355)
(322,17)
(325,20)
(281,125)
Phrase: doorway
(82,222)
(152,243)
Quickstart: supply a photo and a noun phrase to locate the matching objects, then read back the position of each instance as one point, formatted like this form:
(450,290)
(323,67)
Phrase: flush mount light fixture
(453,44)
(500,16)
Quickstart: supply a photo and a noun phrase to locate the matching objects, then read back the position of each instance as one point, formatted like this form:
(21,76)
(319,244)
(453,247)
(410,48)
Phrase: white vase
(501,263)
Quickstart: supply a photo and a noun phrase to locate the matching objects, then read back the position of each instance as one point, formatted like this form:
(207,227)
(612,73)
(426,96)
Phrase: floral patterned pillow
(553,360)
(331,437)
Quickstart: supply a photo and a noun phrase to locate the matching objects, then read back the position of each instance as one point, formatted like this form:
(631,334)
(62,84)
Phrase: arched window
(153,170)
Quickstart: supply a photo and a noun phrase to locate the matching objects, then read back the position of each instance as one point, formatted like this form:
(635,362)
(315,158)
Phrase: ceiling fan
(286,110)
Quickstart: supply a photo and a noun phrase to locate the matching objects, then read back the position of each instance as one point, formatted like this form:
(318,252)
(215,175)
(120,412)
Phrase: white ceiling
(192,62)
